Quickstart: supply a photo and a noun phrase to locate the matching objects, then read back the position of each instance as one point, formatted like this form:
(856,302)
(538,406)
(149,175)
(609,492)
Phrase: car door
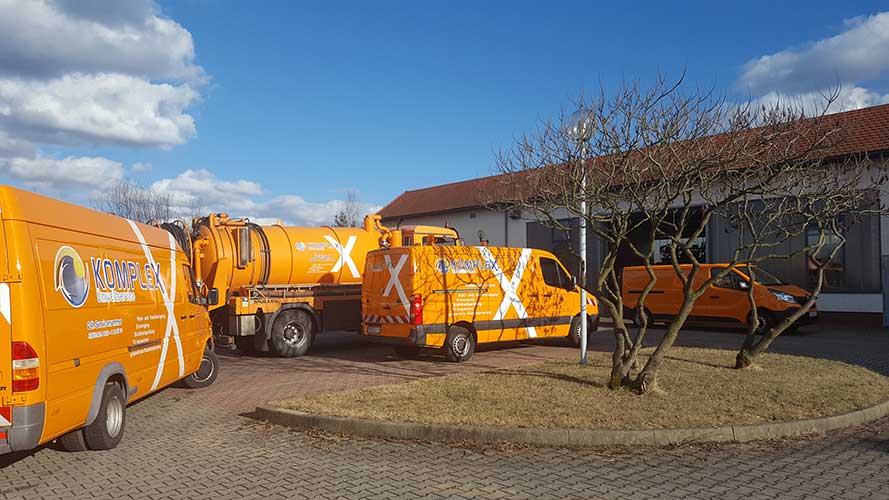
(724,300)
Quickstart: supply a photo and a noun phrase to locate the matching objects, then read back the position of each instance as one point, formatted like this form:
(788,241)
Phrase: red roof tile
(866,131)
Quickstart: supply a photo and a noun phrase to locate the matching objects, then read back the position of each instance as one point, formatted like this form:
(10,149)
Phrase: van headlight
(783,297)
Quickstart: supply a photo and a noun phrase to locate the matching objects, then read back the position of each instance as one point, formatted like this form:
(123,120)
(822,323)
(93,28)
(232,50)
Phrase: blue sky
(276,108)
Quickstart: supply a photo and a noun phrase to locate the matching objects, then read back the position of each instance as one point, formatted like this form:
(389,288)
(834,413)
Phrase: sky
(275,109)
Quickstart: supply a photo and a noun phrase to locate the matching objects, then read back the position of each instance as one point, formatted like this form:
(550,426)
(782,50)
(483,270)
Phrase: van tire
(206,373)
(292,334)
(459,345)
(107,429)
(574,332)
(73,441)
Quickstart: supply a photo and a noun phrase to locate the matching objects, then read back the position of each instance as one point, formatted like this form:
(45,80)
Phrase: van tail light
(416,309)
(25,367)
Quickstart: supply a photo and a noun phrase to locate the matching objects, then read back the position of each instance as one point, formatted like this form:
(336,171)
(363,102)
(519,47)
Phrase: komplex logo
(464,266)
(70,277)
(116,279)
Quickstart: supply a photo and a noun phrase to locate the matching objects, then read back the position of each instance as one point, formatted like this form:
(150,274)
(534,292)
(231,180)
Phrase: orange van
(455,297)
(724,303)
(96,312)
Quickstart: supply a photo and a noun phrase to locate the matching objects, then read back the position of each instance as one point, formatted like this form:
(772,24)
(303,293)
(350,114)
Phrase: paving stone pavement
(199,444)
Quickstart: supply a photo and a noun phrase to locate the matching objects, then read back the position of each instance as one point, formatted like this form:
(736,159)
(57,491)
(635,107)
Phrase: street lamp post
(580,127)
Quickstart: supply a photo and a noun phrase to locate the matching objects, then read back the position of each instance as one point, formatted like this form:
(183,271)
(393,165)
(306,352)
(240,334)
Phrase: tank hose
(265,250)
(179,231)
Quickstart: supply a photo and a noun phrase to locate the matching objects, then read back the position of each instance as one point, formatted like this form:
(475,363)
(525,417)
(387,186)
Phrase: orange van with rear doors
(724,303)
(96,312)
(452,298)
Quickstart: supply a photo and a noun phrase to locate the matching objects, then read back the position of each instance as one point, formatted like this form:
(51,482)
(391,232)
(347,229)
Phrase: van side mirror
(213,297)
(743,285)
(573,284)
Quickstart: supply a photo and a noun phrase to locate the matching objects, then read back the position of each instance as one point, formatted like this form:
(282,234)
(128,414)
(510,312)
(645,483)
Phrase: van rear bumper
(27,427)
(416,337)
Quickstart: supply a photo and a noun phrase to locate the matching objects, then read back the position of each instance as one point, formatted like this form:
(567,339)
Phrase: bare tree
(128,199)
(349,215)
(662,164)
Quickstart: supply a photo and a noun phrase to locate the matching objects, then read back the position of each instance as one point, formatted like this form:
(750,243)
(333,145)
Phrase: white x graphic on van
(394,281)
(510,286)
(169,296)
(345,255)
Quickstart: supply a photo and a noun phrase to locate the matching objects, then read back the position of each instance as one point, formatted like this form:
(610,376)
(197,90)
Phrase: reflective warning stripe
(5,416)
(381,318)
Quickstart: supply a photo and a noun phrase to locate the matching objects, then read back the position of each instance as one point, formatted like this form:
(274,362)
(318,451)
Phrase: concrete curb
(565,438)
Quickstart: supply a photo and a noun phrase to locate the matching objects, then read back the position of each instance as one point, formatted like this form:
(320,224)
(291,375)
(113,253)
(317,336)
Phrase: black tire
(766,321)
(245,344)
(292,334)
(574,331)
(406,351)
(107,429)
(206,373)
(459,345)
(73,441)
(637,316)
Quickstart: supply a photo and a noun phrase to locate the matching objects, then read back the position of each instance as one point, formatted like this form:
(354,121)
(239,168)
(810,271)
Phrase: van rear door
(385,298)
(5,332)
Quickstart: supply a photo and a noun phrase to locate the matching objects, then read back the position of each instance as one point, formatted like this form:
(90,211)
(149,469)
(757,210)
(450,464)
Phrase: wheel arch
(112,372)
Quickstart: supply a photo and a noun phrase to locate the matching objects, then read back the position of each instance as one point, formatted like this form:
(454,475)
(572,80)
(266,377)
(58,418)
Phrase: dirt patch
(699,389)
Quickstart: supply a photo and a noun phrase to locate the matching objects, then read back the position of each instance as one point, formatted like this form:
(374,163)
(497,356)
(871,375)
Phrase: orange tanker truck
(280,285)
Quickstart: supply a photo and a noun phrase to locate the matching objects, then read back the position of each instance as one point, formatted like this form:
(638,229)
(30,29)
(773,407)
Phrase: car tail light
(416,309)
(25,367)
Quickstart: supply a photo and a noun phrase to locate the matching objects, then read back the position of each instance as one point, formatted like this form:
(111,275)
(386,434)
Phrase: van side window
(553,275)
(730,280)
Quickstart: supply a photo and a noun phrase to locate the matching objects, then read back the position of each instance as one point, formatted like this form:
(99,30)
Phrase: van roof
(19,204)
(669,266)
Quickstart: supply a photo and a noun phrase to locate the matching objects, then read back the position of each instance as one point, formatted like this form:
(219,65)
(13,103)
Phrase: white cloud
(141,167)
(199,192)
(47,39)
(105,108)
(851,62)
(88,73)
(812,103)
(56,176)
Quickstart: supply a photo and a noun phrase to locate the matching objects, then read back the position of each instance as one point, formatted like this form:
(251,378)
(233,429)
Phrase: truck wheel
(206,373)
(459,345)
(73,441)
(107,430)
(292,334)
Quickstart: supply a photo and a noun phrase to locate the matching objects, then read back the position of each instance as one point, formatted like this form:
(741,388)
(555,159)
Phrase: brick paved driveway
(196,444)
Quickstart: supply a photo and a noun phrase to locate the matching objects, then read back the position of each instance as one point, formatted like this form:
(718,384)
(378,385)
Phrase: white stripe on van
(172,325)
(5,308)
(394,282)
(510,286)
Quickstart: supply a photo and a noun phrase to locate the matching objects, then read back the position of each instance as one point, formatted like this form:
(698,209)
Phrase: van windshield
(763,277)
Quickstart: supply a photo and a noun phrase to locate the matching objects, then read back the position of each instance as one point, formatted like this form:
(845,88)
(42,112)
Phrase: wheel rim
(114,417)
(294,334)
(460,345)
(204,371)
(762,326)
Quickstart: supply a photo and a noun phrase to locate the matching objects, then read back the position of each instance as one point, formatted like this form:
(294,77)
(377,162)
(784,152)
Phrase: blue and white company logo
(70,276)
(442,265)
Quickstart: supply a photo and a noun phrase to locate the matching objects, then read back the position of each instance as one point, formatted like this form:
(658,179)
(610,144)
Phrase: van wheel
(73,441)
(766,322)
(107,430)
(206,373)
(459,345)
(292,334)
(637,316)
(574,331)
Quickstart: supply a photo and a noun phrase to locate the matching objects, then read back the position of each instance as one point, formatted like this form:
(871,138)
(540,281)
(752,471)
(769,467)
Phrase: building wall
(497,227)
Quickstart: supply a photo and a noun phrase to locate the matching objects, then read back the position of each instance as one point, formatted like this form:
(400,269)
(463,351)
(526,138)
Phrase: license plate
(373,329)
(813,314)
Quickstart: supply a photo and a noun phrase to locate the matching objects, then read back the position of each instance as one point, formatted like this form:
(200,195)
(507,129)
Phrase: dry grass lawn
(698,388)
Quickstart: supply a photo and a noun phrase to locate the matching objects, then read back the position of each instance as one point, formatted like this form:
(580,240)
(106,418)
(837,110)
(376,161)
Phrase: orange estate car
(723,303)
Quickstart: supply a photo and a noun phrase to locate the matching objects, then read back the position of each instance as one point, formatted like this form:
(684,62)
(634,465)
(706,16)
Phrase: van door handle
(714,297)
(191,316)
(182,317)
